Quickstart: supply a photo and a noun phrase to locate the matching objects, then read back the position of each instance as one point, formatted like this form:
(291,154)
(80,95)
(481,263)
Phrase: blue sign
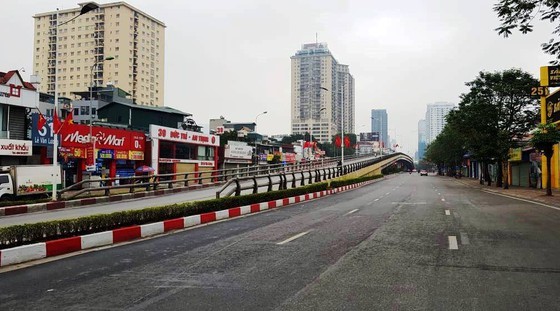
(42,136)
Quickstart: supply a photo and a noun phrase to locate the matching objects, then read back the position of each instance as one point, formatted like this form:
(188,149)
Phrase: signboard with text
(14,147)
(77,135)
(550,76)
(553,107)
(172,134)
(42,136)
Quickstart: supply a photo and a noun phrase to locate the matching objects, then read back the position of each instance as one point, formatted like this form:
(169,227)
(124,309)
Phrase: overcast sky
(232,58)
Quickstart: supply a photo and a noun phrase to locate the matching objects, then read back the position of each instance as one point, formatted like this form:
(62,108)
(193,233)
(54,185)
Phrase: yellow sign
(514,154)
(550,76)
(269,157)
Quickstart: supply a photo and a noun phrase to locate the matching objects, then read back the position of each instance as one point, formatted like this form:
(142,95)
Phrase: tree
(498,111)
(292,138)
(520,14)
(544,139)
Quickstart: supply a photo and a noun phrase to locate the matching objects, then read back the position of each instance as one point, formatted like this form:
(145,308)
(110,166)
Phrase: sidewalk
(532,194)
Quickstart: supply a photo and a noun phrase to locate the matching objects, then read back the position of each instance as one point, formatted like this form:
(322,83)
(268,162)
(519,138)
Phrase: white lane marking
(438,193)
(528,201)
(442,199)
(464,238)
(299,235)
(453,242)
(447,212)
(351,212)
(409,203)
(376,200)
(387,193)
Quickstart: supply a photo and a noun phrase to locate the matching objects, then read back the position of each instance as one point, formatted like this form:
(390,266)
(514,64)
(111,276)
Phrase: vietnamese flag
(337,141)
(56,123)
(41,122)
(347,142)
(69,118)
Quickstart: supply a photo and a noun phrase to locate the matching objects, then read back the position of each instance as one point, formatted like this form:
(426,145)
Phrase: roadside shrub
(38,232)
(341,183)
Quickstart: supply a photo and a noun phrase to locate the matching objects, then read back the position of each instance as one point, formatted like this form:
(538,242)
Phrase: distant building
(85,109)
(133,38)
(379,124)
(140,117)
(435,119)
(320,88)
(421,140)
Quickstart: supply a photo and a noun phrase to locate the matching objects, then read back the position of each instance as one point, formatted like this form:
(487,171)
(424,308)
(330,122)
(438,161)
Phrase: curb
(47,206)
(20,254)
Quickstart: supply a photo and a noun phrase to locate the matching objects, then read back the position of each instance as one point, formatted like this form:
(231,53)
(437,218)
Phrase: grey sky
(232,58)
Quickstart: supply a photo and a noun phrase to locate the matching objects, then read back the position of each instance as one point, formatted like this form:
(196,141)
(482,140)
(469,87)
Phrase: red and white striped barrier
(36,251)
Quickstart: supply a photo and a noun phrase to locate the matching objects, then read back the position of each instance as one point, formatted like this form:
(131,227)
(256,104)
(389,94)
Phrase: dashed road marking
(442,199)
(351,212)
(376,200)
(387,193)
(447,212)
(299,235)
(453,242)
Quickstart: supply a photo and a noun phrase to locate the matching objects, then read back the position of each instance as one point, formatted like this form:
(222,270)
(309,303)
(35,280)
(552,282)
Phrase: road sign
(550,76)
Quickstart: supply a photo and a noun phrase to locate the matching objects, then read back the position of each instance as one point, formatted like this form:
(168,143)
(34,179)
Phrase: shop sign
(553,107)
(13,147)
(238,152)
(72,152)
(269,157)
(42,136)
(106,154)
(172,134)
(262,157)
(514,154)
(89,155)
(121,154)
(76,135)
(136,155)
(200,163)
(550,76)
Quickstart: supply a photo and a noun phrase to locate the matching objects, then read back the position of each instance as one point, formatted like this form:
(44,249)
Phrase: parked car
(423,173)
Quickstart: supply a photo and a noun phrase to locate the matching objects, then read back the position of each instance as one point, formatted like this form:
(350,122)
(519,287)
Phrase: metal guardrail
(293,173)
(281,179)
(186,179)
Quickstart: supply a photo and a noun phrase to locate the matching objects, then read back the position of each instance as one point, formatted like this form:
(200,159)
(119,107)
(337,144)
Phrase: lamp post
(87,7)
(257,117)
(342,127)
(92,84)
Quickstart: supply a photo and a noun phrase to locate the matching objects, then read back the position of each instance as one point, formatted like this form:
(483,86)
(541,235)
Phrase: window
(93,111)
(15,90)
(84,110)
(4,179)
(76,111)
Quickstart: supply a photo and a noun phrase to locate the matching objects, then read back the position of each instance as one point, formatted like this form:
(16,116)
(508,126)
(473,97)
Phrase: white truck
(25,180)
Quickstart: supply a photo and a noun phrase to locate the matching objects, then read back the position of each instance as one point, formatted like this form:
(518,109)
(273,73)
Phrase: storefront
(180,151)
(112,153)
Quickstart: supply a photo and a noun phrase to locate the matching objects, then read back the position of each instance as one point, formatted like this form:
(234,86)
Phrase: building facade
(379,124)
(435,119)
(322,93)
(116,30)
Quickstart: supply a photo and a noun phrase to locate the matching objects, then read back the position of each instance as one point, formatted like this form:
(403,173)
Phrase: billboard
(369,136)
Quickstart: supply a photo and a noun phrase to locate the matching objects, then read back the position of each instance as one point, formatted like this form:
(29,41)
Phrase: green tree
(544,139)
(292,138)
(520,15)
(447,150)
(496,113)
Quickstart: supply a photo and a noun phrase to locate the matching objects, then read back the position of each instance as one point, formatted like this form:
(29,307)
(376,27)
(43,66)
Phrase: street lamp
(260,114)
(92,84)
(87,7)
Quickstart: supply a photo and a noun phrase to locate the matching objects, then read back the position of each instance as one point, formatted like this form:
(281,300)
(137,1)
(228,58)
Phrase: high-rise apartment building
(421,140)
(435,119)
(379,124)
(322,93)
(134,39)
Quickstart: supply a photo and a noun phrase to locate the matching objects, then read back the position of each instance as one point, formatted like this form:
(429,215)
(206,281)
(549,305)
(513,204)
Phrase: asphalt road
(404,243)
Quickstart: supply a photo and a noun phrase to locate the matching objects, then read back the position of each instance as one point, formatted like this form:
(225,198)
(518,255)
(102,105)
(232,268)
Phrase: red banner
(77,135)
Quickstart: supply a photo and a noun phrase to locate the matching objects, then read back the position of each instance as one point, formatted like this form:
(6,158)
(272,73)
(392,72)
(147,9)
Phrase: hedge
(44,231)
